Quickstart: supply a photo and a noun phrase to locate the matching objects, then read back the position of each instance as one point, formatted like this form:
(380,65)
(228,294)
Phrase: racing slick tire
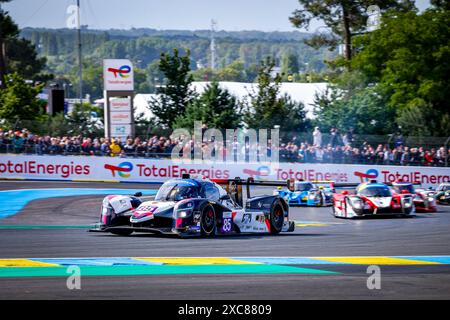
(208,220)
(122,232)
(276,217)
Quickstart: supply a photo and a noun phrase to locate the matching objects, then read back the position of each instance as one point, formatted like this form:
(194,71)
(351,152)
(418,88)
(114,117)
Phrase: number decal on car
(226,227)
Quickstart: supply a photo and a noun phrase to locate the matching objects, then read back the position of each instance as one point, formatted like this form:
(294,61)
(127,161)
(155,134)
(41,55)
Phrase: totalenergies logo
(123,71)
(369,175)
(263,171)
(122,169)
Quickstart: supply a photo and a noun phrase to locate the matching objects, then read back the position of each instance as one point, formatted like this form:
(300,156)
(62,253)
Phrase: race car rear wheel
(208,220)
(276,217)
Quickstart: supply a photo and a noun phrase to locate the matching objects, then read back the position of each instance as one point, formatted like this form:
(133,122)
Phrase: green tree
(8,30)
(215,107)
(18,54)
(344,18)
(364,110)
(18,100)
(266,109)
(81,121)
(289,65)
(176,93)
(141,83)
(234,71)
(92,78)
(408,59)
(441,4)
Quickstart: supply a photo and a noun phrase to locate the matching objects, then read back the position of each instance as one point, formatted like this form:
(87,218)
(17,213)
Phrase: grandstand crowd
(337,148)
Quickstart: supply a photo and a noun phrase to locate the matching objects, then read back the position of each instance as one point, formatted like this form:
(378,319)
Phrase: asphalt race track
(325,258)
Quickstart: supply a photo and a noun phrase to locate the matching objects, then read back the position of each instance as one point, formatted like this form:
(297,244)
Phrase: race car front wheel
(208,220)
(276,217)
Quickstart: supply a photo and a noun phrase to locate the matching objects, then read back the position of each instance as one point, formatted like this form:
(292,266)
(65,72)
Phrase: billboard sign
(118,75)
(150,170)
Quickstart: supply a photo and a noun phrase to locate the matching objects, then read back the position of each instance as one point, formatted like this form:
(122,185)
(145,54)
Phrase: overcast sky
(232,15)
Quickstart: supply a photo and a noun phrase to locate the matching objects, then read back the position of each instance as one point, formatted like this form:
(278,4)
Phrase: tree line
(391,79)
(238,55)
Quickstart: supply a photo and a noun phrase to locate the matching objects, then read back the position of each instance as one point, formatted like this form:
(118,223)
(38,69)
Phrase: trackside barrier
(72,168)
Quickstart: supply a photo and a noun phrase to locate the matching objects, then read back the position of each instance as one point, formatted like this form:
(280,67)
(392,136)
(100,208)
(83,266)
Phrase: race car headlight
(356,203)
(407,202)
(183,213)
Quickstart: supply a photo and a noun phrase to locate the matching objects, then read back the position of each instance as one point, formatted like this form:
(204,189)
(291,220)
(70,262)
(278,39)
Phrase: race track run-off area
(44,240)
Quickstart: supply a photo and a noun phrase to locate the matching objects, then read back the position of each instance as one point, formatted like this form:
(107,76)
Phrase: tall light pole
(80,64)
(213,45)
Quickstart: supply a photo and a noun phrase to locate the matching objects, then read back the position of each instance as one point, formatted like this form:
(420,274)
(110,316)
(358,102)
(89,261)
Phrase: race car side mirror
(138,194)
(345,192)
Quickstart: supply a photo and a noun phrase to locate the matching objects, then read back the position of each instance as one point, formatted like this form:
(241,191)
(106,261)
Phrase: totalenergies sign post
(118,78)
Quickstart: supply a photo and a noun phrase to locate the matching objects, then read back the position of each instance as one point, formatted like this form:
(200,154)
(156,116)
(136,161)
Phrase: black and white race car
(197,207)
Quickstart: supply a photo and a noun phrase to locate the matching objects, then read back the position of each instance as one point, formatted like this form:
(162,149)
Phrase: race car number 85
(226,225)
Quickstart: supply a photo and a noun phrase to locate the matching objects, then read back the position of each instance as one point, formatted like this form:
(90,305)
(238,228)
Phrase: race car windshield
(176,193)
(376,192)
(408,188)
(303,187)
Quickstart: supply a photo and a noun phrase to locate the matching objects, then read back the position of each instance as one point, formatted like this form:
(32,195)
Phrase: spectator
(97,147)
(319,154)
(404,161)
(441,156)
(429,159)
(4,142)
(18,142)
(115,148)
(141,147)
(317,137)
(334,137)
(338,155)
(129,148)
(414,157)
(104,147)
(398,140)
(55,147)
(338,150)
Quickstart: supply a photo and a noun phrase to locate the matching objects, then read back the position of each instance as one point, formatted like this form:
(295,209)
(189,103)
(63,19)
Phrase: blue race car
(308,193)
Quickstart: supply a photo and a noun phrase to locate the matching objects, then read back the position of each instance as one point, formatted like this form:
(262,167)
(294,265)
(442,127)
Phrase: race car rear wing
(346,186)
(234,186)
(415,184)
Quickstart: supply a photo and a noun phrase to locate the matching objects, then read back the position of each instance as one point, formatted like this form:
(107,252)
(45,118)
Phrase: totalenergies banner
(147,170)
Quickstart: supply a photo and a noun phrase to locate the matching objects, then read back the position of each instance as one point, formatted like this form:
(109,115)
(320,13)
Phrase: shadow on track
(219,237)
